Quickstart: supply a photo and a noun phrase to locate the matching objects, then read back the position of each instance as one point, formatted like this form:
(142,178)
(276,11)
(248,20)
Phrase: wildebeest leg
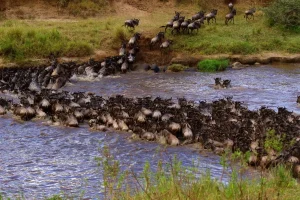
(215,20)
(207,20)
(233,20)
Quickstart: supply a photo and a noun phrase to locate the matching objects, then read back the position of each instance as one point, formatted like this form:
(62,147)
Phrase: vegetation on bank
(33,38)
(209,65)
(21,42)
(285,13)
(170,180)
(177,67)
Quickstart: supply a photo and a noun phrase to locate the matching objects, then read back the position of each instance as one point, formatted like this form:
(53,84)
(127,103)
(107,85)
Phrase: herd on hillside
(178,24)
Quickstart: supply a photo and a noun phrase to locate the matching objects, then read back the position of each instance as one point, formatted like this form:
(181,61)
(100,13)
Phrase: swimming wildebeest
(230,16)
(249,12)
(131,23)
(221,84)
(157,39)
(298,100)
(211,15)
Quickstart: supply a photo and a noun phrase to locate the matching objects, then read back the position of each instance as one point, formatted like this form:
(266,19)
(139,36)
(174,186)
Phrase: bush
(213,65)
(177,67)
(284,12)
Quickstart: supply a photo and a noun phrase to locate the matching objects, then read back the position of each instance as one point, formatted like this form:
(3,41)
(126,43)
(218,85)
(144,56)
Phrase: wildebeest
(194,25)
(184,25)
(133,41)
(230,16)
(157,39)
(211,15)
(177,15)
(177,24)
(165,45)
(198,15)
(230,6)
(122,50)
(131,23)
(298,100)
(249,12)
(170,23)
(221,84)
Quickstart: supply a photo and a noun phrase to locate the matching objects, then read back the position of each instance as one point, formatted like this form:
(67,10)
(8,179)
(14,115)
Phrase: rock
(238,65)
(257,63)
(146,67)
(155,68)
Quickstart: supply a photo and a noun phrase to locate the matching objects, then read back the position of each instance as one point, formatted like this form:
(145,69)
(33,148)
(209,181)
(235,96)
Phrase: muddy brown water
(37,160)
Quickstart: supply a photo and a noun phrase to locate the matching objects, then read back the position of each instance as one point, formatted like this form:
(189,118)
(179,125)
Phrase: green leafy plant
(284,12)
(274,141)
(213,65)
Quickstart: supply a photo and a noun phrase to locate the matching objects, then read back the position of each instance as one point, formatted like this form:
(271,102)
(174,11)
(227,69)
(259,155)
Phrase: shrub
(177,67)
(284,12)
(213,65)
(274,141)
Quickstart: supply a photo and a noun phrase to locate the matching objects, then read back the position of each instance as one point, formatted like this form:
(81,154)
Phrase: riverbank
(98,37)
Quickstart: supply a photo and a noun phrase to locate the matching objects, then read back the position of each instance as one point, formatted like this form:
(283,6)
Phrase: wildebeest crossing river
(38,160)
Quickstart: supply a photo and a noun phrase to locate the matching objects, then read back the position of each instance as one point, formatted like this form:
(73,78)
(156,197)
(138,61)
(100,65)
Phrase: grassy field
(23,39)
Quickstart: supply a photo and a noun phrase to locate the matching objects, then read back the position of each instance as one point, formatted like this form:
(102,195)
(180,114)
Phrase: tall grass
(18,43)
(171,180)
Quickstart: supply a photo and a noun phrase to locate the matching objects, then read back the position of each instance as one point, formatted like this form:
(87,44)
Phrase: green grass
(213,65)
(35,38)
(177,67)
(20,41)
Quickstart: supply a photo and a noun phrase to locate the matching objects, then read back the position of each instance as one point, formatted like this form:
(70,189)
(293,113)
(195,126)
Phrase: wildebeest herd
(222,125)
(179,24)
